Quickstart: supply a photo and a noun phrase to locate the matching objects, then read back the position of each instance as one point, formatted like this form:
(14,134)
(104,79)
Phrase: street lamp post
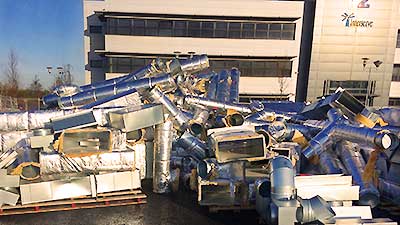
(376,63)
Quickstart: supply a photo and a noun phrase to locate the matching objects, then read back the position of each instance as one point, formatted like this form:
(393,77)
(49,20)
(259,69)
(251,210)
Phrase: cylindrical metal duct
(381,139)
(234,118)
(157,95)
(86,97)
(199,120)
(390,191)
(234,90)
(193,146)
(355,164)
(155,67)
(329,163)
(223,87)
(282,179)
(216,104)
(163,137)
(211,92)
(195,64)
(314,209)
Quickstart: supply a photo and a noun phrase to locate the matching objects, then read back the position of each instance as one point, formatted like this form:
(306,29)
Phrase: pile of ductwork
(182,124)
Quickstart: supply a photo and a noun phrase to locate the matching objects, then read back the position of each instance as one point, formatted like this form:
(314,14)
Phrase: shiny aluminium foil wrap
(18,121)
(140,158)
(10,139)
(112,161)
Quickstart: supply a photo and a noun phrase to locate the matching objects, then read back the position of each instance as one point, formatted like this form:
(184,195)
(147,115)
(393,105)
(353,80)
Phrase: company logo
(363,4)
(351,21)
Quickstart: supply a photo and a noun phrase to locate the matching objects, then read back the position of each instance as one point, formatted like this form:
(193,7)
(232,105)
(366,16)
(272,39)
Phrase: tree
(12,73)
(36,87)
(283,83)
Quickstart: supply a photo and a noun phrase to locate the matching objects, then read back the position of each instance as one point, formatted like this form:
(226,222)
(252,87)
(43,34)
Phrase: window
(396,72)
(200,29)
(398,39)
(234,30)
(194,29)
(124,27)
(138,27)
(207,29)
(180,28)
(221,30)
(248,30)
(151,28)
(394,102)
(262,30)
(165,28)
(96,29)
(275,31)
(96,63)
(288,31)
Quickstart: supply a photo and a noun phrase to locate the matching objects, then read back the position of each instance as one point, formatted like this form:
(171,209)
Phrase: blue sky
(42,33)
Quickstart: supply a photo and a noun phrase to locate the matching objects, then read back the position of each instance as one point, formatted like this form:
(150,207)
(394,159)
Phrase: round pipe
(282,179)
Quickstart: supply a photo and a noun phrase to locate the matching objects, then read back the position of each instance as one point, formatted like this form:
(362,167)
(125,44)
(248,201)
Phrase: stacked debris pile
(184,122)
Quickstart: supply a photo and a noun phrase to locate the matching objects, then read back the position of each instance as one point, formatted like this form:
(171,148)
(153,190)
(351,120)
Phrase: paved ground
(171,209)
(174,209)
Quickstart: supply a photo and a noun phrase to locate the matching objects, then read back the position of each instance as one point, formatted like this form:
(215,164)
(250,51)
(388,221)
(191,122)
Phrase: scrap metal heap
(294,163)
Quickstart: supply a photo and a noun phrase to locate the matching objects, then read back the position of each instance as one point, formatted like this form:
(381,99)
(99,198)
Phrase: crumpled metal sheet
(10,139)
(118,140)
(112,161)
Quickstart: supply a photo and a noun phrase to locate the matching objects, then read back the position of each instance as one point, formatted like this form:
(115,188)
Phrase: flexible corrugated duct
(163,137)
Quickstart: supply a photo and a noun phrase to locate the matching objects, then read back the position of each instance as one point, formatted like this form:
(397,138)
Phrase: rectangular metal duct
(55,190)
(8,180)
(83,142)
(131,119)
(74,121)
(238,144)
(117,181)
(8,197)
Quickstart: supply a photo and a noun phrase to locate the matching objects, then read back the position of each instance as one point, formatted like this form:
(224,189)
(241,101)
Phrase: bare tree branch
(12,73)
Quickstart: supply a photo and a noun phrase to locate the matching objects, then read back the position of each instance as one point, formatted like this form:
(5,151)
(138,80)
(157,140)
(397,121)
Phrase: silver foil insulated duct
(163,137)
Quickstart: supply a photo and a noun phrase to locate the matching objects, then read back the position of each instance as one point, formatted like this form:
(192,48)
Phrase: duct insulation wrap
(163,137)
(355,164)
(112,161)
(86,97)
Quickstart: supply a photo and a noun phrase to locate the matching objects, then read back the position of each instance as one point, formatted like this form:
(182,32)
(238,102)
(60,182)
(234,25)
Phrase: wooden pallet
(234,208)
(119,198)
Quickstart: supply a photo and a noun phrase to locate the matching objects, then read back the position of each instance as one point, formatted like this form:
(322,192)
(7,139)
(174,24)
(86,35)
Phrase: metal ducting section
(355,164)
(163,137)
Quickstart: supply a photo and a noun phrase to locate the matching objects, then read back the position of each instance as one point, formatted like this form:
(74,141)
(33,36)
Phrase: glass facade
(96,29)
(253,68)
(398,39)
(201,29)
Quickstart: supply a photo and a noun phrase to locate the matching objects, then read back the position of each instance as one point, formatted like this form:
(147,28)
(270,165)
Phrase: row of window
(258,68)
(201,29)
(355,87)
(394,102)
(396,72)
